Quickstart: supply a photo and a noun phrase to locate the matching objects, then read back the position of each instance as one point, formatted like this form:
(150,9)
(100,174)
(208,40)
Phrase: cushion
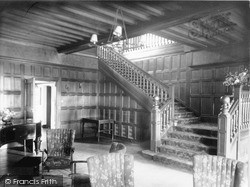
(57,162)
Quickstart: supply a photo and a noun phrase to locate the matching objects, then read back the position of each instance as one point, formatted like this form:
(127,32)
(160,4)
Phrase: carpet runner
(189,137)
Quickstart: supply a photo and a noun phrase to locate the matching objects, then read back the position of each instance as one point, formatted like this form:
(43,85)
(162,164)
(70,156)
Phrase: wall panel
(197,75)
(77,95)
(116,104)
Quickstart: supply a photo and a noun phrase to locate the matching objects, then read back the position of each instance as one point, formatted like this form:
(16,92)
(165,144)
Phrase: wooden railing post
(237,95)
(224,128)
(155,139)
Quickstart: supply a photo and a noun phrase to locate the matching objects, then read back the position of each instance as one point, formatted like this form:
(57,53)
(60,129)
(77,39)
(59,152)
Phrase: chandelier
(118,38)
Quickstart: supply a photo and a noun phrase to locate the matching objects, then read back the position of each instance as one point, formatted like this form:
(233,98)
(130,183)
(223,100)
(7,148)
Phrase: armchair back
(111,170)
(218,171)
(60,142)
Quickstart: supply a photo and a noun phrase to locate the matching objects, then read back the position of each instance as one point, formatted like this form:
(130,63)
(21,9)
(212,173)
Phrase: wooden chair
(59,149)
(217,171)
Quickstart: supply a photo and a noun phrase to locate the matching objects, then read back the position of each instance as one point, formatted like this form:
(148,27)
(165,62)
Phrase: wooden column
(237,91)
(224,128)
(155,140)
(224,147)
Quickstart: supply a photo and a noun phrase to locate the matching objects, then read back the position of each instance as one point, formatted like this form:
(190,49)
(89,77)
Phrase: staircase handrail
(163,95)
(128,62)
(115,55)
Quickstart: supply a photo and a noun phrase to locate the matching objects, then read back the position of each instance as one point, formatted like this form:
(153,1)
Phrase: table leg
(82,125)
(98,131)
(112,132)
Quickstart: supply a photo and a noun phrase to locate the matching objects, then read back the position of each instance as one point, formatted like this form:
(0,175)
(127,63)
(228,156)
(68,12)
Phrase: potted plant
(236,79)
(7,116)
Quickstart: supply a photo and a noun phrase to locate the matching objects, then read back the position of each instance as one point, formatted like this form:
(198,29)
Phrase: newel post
(155,139)
(224,118)
(237,91)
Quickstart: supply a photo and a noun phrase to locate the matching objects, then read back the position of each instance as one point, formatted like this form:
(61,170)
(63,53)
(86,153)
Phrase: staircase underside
(189,137)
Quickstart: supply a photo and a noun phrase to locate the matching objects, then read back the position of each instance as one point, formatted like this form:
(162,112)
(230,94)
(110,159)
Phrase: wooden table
(99,126)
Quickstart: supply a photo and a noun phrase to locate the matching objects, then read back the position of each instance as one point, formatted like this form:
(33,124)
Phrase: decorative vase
(7,121)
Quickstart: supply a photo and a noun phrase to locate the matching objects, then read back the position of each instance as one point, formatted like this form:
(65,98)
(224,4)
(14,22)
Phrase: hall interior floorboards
(147,173)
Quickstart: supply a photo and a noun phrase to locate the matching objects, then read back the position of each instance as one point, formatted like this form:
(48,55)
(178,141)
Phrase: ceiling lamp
(117,39)
(94,39)
(118,31)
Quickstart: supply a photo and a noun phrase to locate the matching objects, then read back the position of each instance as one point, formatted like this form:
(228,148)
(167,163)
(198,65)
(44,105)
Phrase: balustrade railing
(233,125)
(245,99)
(142,42)
(148,84)
(162,113)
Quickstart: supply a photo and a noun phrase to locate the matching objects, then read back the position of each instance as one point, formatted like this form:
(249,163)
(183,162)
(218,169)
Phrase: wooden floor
(147,172)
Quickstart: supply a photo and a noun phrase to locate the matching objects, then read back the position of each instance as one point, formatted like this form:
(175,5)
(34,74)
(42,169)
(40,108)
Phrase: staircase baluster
(139,80)
(138,77)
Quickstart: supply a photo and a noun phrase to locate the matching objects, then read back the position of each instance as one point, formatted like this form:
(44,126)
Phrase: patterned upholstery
(217,171)
(59,148)
(111,170)
(117,148)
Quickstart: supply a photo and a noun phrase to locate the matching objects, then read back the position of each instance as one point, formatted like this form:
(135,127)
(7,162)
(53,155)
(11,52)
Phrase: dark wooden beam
(16,32)
(187,12)
(39,22)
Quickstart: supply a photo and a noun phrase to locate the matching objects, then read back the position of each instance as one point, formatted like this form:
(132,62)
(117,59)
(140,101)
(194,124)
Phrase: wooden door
(29,100)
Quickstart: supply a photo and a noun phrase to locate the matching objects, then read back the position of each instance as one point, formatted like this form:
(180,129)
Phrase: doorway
(45,103)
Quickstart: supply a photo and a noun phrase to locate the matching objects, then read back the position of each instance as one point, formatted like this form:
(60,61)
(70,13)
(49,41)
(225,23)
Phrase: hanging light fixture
(94,39)
(118,31)
(117,39)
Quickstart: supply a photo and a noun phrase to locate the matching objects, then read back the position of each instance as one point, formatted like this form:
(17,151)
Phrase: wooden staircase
(189,137)
(183,135)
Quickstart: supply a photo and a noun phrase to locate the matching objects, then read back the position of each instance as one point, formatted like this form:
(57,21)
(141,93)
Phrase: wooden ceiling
(68,26)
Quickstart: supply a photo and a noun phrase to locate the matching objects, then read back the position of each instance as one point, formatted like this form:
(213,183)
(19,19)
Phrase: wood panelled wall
(11,86)
(132,121)
(79,97)
(81,92)
(76,90)
(197,76)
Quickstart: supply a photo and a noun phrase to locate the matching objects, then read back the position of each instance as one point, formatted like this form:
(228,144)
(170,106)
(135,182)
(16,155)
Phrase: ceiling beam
(110,13)
(26,29)
(154,11)
(86,14)
(24,40)
(179,39)
(185,14)
(18,32)
(41,28)
(132,11)
(66,16)
(38,22)
(50,19)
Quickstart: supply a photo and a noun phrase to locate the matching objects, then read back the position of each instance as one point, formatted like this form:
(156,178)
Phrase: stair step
(179,152)
(180,108)
(185,120)
(198,129)
(195,146)
(174,162)
(207,140)
(183,113)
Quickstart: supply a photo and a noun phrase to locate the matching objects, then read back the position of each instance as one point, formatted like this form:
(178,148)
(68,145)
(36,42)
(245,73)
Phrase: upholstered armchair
(117,147)
(217,171)
(83,180)
(111,170)
(59,152)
